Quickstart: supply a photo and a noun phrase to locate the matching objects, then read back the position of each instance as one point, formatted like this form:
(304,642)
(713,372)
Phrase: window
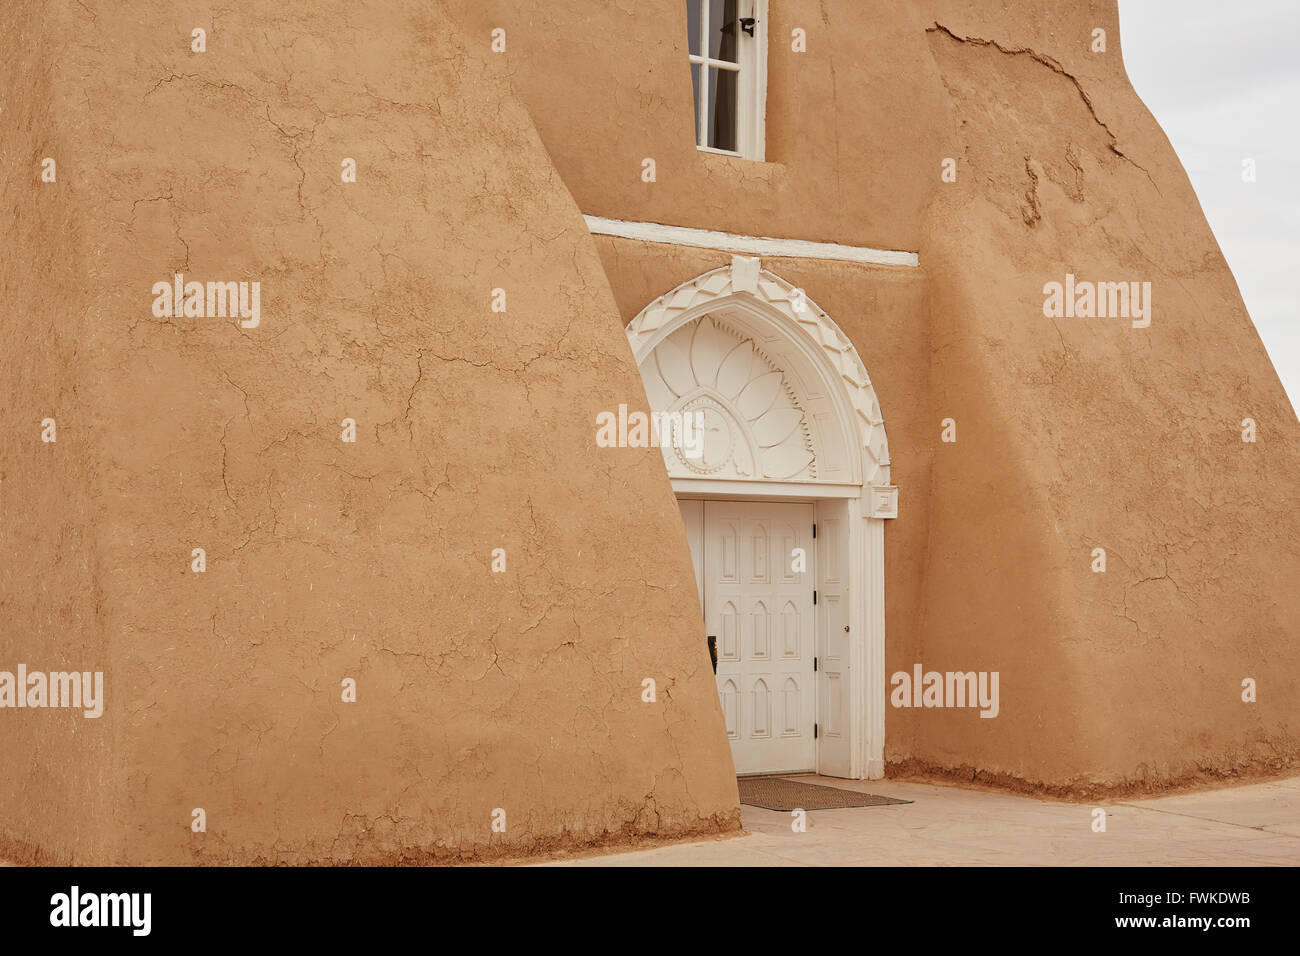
(727,41)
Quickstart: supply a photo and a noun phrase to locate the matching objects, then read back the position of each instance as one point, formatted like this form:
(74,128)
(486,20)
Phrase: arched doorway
(784,506)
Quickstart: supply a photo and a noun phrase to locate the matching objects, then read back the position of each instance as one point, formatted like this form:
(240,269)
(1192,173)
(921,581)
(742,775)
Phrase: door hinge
(814,529)
(814,731)
(814,597)
(814,665)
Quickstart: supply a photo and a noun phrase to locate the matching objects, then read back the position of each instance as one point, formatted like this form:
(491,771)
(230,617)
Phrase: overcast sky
(1223,80)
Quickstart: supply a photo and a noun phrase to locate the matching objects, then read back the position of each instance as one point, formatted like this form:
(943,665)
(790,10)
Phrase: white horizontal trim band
(750,245)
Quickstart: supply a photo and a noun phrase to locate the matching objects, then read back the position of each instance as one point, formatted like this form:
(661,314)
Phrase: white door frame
(854,447)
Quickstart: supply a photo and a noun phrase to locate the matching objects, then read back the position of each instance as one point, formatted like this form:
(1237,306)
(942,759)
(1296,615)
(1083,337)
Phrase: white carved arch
(752,353)
(745,303)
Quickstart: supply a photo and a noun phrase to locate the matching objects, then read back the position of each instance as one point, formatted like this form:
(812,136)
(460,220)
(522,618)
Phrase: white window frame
(751,90)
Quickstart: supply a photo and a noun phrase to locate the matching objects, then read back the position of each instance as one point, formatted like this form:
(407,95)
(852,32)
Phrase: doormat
(777,793)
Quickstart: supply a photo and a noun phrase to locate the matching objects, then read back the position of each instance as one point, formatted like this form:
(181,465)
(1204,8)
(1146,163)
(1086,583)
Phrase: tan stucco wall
(1084,433)
(851,128)
(1072,434)
(326,560)
(372,560)
(52,562)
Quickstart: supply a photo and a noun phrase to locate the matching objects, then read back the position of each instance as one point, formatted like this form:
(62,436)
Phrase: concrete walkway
(1252,825)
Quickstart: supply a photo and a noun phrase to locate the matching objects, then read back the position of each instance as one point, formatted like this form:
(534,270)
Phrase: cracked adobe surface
(371,560)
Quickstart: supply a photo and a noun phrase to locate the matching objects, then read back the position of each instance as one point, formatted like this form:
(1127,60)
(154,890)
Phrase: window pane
(695,97)
(722,108)
(724,27)
(693,14)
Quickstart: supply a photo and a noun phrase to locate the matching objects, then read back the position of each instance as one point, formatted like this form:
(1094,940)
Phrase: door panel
(761,611)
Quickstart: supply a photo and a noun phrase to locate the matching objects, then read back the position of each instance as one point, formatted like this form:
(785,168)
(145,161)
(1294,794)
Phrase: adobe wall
(851,126)
(372,560)
(1083,433)
(328,560)
(52,763)
(1073,434)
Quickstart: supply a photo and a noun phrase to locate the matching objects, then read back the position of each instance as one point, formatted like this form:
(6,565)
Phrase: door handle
(713,651)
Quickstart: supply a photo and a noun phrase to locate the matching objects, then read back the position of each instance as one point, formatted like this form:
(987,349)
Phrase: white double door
(755,568)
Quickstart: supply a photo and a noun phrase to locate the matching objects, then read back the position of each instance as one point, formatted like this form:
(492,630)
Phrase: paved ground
(1252,825)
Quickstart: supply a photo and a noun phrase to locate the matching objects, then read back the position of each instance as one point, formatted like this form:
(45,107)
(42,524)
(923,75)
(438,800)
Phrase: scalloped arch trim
(746,279)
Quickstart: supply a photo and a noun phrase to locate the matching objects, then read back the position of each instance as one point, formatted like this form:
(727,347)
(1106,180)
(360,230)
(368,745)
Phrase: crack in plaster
(1055,66)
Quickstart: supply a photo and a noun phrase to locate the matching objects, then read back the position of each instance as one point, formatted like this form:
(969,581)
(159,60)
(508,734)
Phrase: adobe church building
(369,574)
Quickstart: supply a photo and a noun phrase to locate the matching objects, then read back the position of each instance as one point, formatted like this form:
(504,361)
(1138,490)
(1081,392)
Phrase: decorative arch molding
(821,366)
(797,419)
